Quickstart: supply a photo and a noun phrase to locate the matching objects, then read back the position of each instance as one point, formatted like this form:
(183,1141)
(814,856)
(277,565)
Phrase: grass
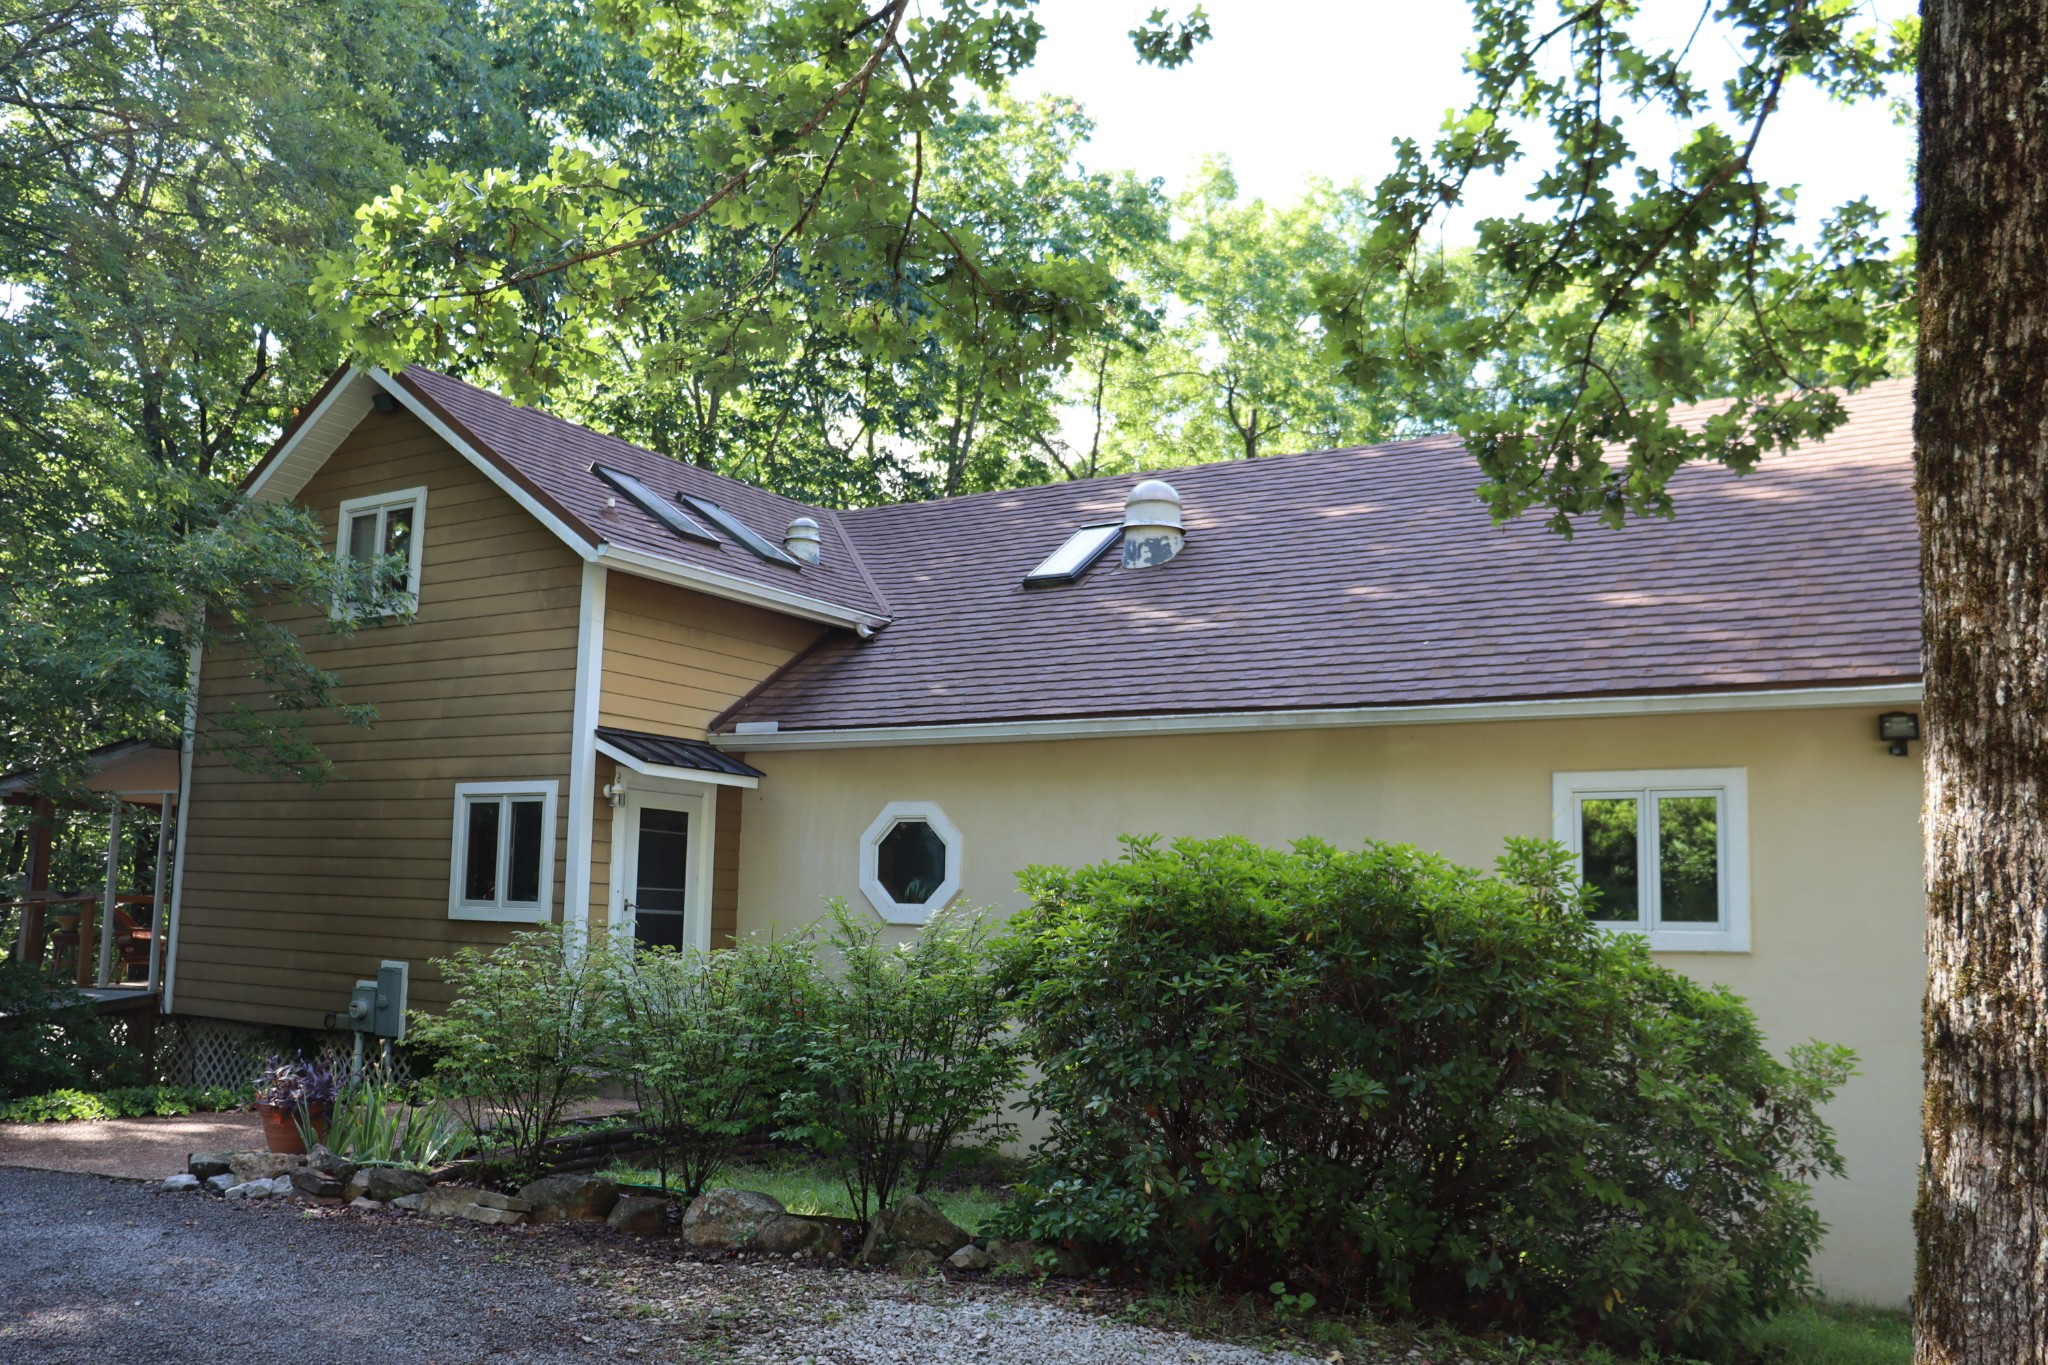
(805,1186)
(1838,1334)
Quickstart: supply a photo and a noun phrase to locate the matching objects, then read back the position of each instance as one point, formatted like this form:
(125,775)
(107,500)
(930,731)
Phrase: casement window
(910,862)
(504,861)
(1666,853)
(380,526)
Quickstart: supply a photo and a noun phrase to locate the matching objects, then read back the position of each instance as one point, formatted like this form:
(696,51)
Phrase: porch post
(41,829)
(113,890)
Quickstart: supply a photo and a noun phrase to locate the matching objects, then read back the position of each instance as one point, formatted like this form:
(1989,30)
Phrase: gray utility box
(378,1007)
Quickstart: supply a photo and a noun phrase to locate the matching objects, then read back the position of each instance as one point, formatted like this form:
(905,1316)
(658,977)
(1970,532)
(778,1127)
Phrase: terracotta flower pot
(281,1128)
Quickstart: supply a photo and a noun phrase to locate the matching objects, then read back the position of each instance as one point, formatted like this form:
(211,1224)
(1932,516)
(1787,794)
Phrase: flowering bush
(286,1085)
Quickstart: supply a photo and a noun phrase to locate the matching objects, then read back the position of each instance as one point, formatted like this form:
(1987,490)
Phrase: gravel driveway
(106,1272)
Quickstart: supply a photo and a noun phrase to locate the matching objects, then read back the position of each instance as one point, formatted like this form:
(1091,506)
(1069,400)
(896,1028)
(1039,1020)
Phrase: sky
(1291,89)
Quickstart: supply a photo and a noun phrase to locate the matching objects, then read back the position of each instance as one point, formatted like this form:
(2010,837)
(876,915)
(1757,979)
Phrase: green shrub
(1378,1075)
(910,1052)
(374,1123)
(51,1039)
(521,1040)
(709,1042)
(126,1102)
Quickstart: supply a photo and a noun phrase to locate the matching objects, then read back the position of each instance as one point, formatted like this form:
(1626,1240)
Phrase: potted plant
(295,1099)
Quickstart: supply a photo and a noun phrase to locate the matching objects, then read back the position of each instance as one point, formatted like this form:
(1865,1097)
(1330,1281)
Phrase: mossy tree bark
(1982,435)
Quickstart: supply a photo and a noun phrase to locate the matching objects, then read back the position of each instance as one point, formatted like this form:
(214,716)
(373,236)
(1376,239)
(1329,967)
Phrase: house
(638,693)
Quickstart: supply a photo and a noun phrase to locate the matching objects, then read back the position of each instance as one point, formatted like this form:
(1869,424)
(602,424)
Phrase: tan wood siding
(293,892)
(674,659)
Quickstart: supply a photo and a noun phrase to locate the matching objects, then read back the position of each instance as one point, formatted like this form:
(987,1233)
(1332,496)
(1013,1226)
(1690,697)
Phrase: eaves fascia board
(1226,722)
(734,588)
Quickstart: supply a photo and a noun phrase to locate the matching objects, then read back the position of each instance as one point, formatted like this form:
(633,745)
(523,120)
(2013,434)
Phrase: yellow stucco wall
(1834,843)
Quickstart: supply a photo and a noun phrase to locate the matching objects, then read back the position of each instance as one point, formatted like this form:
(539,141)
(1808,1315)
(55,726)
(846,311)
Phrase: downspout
(187,741)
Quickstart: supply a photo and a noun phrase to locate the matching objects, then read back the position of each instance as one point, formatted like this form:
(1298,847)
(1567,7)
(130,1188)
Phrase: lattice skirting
(227,1052)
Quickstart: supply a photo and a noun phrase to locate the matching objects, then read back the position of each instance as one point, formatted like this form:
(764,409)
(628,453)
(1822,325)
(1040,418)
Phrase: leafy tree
(1631,288)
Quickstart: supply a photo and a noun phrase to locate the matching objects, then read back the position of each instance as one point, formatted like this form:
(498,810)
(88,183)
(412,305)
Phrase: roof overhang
(346,400)
(670,771)
(1226,722)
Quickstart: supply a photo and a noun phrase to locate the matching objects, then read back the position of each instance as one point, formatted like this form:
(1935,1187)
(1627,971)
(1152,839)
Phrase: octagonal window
(910,861)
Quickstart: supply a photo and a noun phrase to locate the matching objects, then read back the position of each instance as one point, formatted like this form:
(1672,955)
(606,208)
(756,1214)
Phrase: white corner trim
(188,740)
(539,913)
(1731,786)
(583,752)
(1225,722)
(733,588)
(670,772)
(887,906)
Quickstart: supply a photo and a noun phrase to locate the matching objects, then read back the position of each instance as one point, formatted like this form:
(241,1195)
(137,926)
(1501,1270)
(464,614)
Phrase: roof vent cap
(1152,528)
(802,540)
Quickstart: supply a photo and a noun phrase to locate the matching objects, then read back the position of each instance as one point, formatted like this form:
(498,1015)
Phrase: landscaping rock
(1012,1256)
(364,1205)
(792,1234)
(970,1257)
(220,1184)
(207,1165)
(251,1189)
(262,1165)
(178,1184)
(318,1184)
(570,1198)
(408,1201)
(358,1185)
(914,1224)
(721,1220)
(388,1182)
(641,1214)
(331,1163)
(478,1206)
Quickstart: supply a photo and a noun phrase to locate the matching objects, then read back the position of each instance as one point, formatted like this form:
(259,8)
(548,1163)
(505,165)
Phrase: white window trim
(888,907)
(1731,785)
(497,911)
(416,498)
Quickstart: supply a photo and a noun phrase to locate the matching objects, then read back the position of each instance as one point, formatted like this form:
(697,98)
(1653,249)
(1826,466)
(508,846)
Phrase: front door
(659,884)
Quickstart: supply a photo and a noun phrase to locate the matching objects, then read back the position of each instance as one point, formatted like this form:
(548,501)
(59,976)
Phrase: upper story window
(504,860)
(1666,852)
(910,862)
(386,526)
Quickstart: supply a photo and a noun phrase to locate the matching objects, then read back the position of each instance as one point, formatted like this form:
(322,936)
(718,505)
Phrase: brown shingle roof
(1372,577)
(552,459)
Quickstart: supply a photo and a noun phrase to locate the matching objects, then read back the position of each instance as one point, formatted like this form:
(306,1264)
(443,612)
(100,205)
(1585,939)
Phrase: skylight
(1072,559)
(654,505)
(737,529)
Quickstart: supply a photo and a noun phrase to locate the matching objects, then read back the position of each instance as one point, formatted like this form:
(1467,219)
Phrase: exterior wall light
(1897,727)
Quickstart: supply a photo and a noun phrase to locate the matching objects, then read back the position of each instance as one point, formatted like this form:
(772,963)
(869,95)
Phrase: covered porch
(106,937)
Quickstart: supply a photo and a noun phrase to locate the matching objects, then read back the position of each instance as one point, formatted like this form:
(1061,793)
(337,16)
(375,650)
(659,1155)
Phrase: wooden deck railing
(44,935)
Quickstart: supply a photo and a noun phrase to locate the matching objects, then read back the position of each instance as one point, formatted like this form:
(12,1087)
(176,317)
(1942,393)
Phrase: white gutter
(1226,722)
(735,589)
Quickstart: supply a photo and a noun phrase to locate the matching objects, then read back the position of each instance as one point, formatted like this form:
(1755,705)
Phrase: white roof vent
(802,540)
(1152,529)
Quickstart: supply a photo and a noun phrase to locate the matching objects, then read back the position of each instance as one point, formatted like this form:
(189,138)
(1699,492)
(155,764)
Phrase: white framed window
(504,862)
(910,862)
(1665,850)
(379,525)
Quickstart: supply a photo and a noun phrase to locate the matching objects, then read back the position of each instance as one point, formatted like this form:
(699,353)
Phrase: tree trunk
(1981,429)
